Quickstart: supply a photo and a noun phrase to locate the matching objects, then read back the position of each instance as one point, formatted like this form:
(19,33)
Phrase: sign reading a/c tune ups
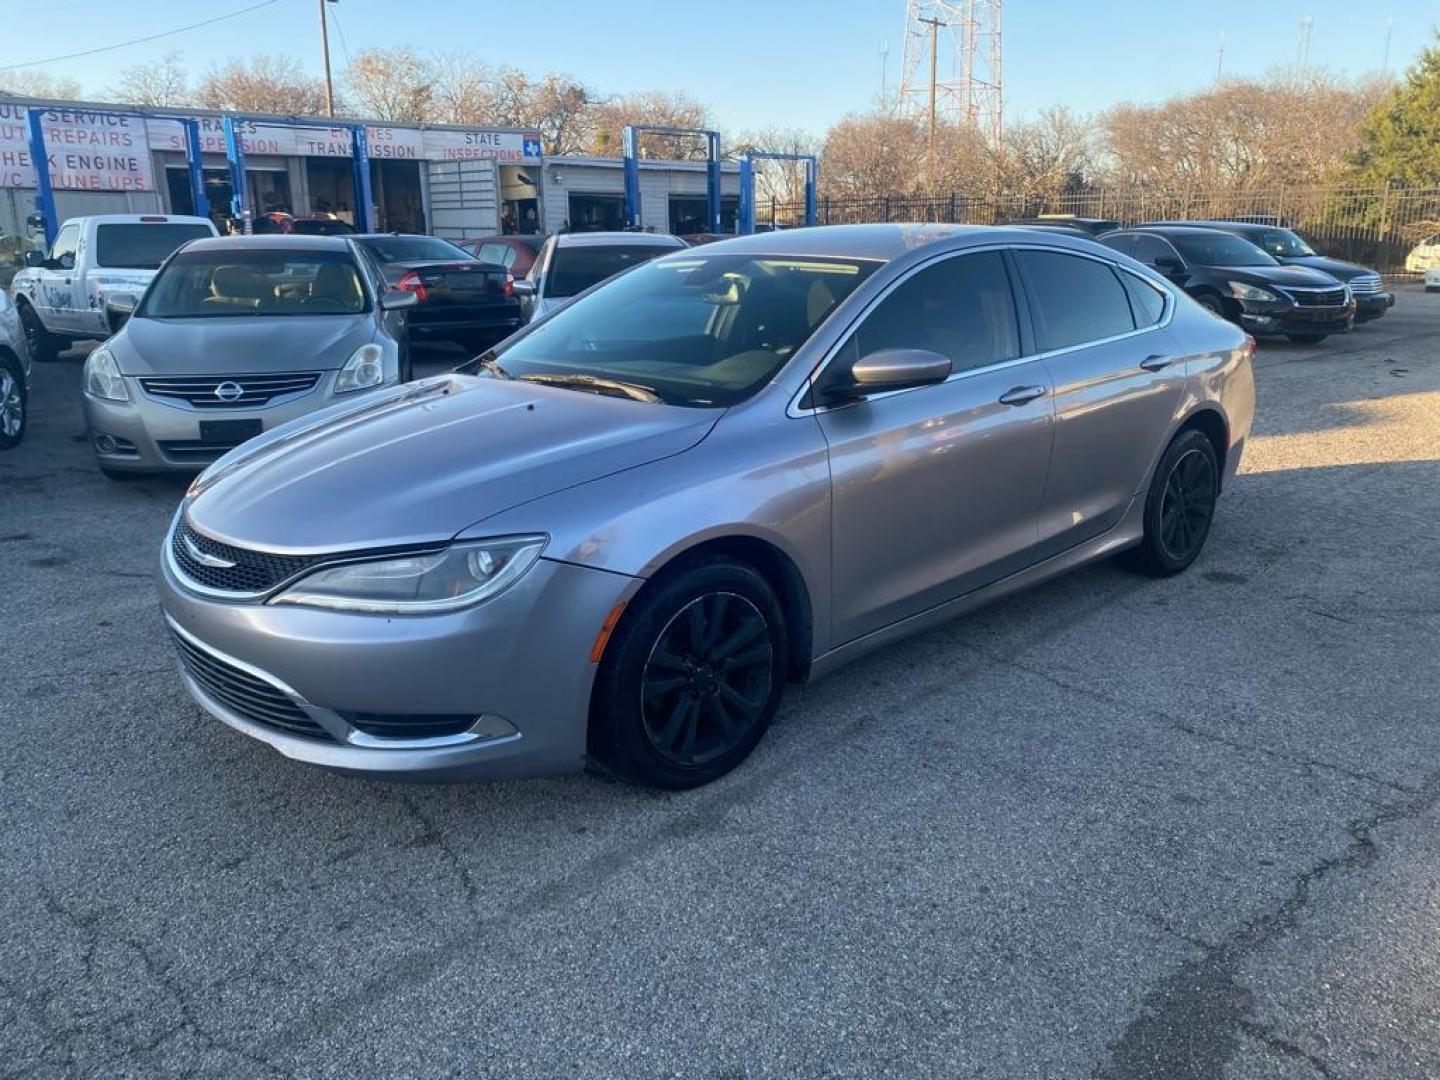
(87,151)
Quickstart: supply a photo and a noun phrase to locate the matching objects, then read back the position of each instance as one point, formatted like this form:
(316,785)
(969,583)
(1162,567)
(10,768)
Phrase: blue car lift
(630,151)
(359,156)
(45,192)
(746,224)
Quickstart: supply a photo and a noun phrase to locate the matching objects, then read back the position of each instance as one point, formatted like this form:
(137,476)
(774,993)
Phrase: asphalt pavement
(1111,828)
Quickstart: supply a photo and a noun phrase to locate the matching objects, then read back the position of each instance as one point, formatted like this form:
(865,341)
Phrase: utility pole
(325,49)
(1389,33)
(934,25)
(884,62)
(1220,59)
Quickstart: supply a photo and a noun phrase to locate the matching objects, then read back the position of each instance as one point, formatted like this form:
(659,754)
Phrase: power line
(139,40)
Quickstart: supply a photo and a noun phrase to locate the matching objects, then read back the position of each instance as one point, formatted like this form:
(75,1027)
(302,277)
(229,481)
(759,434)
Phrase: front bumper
(147,434)
(519,663)
(1370,306)
(1267,317)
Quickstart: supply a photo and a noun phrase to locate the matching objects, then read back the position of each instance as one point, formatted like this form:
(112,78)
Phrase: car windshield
(391,249)
(1219,249)
(575,269)
(692,330)
(142,246)
(235,283)
(1284,244)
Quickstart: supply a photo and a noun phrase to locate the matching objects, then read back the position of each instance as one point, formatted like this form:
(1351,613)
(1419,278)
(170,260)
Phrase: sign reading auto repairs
(87,151)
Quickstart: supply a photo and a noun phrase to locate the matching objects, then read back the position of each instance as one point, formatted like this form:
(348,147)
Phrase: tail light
(410,282)
(509,286)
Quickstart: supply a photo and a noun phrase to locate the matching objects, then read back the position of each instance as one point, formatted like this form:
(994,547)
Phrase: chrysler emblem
(202,557)
(229,391)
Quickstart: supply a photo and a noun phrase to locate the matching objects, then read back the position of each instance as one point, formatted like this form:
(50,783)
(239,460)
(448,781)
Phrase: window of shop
(596,213)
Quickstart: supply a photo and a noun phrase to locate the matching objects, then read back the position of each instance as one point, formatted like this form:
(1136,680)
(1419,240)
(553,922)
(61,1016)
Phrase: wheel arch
(1210,422)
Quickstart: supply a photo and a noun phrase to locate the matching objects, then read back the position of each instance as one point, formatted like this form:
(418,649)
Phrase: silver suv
(236,336)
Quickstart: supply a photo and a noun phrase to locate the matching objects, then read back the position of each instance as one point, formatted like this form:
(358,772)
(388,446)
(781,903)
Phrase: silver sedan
(619,534)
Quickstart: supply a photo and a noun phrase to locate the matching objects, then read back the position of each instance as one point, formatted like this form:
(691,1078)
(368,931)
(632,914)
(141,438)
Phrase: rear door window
(1077,300)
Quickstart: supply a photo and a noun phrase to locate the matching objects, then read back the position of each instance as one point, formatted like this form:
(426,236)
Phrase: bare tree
(463,88)
(391,84)
(265,84)
(778,181)
(30,83)
(161,83)
(1051,155)
(658,108)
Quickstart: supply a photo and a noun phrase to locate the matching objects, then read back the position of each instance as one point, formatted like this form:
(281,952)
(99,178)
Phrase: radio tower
(961,39)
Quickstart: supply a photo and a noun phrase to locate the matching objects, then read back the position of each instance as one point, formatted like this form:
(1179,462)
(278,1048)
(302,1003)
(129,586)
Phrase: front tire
(44,346)
(1179,507)
(691,677)
(14,402)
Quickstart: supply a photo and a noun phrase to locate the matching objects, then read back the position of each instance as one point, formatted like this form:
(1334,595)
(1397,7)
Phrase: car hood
(425,462)
(1277,275)
(239,345)
(1334,267)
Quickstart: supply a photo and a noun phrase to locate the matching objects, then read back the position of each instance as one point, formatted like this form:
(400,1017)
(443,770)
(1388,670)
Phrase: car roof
(891,241)
(139,219)
(1222,225)
(1163,229)
(633,239)
(271,241)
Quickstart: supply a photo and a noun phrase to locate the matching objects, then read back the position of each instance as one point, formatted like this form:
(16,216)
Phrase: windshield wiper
(596,384)
(485,362)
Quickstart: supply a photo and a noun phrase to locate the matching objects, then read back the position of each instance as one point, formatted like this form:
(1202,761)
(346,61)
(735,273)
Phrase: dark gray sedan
(236,336)
(728,468)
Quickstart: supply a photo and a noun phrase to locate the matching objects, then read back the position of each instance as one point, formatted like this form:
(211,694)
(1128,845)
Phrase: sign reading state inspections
(101,151)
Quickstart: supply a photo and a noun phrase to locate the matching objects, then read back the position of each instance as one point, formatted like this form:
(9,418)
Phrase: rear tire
(691,677)
(14,402)
(1179,507)
(44,346)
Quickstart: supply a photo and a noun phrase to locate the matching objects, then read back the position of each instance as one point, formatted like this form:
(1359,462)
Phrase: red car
(515,253)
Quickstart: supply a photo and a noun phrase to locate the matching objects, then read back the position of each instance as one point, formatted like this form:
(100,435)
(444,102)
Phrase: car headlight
(364,369)
(1242,291)
(437,581)
(103,378)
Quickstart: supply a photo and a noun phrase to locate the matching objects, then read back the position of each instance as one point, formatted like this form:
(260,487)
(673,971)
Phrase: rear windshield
(575,269)
(141,247)
(391,249)
(1219,249)
(235,284)
(1284,244)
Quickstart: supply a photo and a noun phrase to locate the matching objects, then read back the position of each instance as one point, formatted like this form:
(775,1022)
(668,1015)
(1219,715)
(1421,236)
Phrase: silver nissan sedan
(621,532)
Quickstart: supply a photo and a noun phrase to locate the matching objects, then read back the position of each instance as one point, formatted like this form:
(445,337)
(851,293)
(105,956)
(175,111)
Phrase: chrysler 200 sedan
(237,335)
(623,530)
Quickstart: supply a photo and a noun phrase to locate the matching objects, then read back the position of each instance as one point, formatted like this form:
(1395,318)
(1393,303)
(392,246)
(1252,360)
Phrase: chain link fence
(1395,230)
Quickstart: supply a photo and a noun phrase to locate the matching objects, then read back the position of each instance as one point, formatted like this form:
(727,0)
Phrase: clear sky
(756,63)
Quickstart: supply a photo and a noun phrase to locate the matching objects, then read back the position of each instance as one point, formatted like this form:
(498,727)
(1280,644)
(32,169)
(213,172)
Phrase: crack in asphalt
(1189,1026)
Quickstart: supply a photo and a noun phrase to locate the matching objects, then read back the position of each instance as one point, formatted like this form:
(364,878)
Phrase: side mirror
(889,369)
(66,261)
(118,309)
(34,258)
(523,287)
(1169,264)
(398,300)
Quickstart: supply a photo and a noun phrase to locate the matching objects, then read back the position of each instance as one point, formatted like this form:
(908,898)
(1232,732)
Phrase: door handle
(1021,395)
(1156,361)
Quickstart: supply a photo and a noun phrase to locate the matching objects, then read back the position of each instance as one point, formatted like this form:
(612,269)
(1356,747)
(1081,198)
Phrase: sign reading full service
(98,151)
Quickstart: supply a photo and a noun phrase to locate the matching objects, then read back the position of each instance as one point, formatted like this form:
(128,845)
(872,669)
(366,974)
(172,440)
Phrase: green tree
(1400,137)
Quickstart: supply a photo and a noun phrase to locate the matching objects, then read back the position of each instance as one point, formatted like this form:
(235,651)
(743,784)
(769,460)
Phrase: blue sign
(532,148)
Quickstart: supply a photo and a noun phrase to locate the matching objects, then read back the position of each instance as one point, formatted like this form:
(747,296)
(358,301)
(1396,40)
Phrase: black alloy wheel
(43,345)
(1179,507)
(707,680)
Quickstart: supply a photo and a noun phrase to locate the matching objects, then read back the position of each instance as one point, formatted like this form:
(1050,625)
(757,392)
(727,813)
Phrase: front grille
(243,693)
(1317,297)
(1365,286)
(240,391)
(409,726)
(251,572)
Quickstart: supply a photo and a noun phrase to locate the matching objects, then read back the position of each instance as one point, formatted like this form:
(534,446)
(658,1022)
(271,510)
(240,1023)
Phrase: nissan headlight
(422,584)
(1241,291)
(364,369)
(102,376)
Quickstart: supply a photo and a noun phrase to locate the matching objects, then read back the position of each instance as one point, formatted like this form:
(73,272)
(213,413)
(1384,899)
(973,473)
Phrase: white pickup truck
(62,295)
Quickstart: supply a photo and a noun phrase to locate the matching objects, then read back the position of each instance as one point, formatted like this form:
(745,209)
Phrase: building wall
(606,176)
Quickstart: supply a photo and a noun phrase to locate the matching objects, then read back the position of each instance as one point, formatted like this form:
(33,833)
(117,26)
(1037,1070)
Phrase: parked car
(570,263)
(1238,281)
(14,376)
(1090,226)
(1288,248)
(65,294)
(1052,227)
(320,225)
(236,336)
(1432,279)
(1424,255)
(459,298)
(514,253)
(736,465)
